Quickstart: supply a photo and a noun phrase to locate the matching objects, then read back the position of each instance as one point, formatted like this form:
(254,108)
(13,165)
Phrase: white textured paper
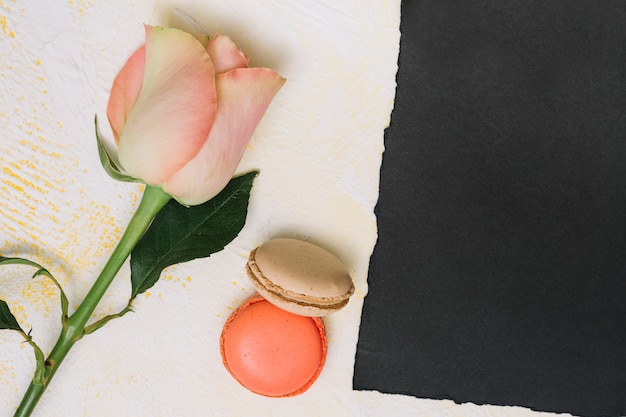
(319,151)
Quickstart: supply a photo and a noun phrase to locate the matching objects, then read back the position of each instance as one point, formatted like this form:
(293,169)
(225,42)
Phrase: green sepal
(41,271)
(180,234)
(108,162)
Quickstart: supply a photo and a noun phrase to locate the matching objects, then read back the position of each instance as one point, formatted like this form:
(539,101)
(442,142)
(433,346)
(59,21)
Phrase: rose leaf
(180,234)
(7,319)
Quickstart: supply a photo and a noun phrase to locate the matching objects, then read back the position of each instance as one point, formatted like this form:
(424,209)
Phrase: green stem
(73,328)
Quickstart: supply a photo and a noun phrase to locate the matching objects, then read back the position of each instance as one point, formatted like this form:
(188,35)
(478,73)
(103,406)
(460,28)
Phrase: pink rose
(182,113)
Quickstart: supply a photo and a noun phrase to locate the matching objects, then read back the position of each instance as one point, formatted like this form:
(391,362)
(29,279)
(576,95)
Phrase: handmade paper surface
(318,150)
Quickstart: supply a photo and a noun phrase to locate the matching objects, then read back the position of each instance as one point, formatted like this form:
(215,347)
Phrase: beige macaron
(300,277)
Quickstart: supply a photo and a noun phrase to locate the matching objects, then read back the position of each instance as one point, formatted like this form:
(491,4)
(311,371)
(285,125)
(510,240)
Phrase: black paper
(499,275)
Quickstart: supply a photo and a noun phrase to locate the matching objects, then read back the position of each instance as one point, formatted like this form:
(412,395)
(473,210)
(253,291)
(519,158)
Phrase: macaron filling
(271,351)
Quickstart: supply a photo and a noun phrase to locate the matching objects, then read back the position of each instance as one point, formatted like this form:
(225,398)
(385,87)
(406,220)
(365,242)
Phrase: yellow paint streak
(81,6)
(38,148)
(12,185)
(6,30)
(101,226)
(173,278)
(19,311)
(39,292)
(24,181)
(7,370)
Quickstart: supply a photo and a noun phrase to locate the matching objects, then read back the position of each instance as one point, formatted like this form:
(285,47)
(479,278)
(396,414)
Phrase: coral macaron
(273,352)
(300,277)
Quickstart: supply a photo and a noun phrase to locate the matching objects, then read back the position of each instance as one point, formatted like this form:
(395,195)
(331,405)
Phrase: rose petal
(125,90)
(175,109)
(244,95)
(225,54)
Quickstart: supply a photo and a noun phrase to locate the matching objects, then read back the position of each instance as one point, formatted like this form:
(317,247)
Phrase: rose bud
(182,113)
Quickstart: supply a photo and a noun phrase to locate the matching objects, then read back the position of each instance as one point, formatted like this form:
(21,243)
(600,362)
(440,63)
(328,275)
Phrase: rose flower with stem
(182,111)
